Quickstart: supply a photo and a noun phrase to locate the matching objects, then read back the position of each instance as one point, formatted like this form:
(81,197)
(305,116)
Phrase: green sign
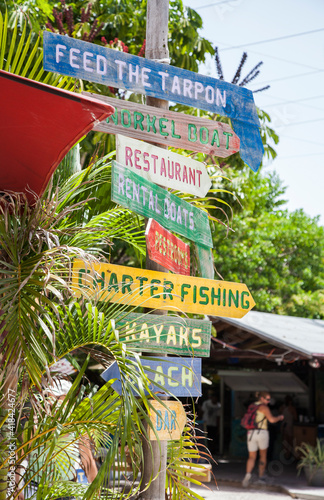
(140,195)
(169,334)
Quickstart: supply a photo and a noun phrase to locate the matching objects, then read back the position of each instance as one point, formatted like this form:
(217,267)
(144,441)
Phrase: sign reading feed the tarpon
(88,61)
(156,290)
(145,198)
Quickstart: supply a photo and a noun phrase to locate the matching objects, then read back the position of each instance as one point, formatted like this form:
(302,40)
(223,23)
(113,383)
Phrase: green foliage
(279,255)
(21,53)
(311,456)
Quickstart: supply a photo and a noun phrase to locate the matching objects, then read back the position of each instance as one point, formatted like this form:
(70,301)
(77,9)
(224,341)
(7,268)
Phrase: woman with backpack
(259,415)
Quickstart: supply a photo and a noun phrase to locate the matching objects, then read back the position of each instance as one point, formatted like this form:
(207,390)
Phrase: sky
(288,37)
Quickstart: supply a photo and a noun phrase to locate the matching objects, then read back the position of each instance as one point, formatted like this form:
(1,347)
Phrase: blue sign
(81,476)
(180,376)
(87,61)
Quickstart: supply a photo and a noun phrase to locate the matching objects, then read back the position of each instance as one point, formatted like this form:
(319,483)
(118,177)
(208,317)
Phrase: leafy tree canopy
(278,254)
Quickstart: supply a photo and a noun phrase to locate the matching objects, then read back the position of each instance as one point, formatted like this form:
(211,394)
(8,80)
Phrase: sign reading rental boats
(68,56)
(153,289)
(145,198)
(163,167)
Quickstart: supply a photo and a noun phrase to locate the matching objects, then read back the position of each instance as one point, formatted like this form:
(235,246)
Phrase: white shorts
(257,439)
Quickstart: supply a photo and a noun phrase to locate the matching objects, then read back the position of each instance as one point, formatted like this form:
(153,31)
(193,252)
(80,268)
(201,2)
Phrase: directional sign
(205,261)
(161,126)
(180,376)
(151,201)
(168,422)
(173,292)
(167,334)
(163,167)
(166,249)
(95,63)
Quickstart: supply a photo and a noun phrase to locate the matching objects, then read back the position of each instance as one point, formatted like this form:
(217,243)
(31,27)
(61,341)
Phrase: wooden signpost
(161,126)
(166,249)
(163,167)
(69,56)
(168,422)
(165,334)
(205,261)
(156,290)
(179,376)
(151,201)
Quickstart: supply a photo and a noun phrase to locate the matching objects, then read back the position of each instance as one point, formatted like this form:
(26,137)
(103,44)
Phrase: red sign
(166,249)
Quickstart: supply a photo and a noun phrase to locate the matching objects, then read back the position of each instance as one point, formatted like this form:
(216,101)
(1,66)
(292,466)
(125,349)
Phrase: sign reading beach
(79,59)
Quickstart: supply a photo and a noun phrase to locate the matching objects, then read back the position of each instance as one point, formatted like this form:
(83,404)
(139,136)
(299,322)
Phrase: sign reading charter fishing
(156,290)
(79,59)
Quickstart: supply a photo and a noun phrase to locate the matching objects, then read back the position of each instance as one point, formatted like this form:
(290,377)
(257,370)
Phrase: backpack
(248,420)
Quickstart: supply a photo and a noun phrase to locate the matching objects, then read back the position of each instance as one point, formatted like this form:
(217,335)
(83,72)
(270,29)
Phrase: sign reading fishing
(153,289)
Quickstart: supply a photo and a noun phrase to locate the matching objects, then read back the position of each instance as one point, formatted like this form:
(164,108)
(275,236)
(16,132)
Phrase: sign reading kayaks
(167,334)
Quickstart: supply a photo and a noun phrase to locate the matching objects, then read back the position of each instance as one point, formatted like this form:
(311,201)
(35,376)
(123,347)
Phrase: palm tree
(43,322)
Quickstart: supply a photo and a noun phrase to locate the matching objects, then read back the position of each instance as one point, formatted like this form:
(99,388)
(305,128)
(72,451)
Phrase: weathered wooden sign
(168,422)
(163,167)
(166,249)
(95,63)
(205,261)
(179,376)
(156,290)
(167,334)
(161,126)
(151,201)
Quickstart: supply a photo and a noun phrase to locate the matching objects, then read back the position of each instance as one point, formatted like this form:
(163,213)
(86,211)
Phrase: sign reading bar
(166,249)
(161,126)
(156,290)
(163,167)
(168,422)
(167,334)
(151,201)
(179,376)
(69,56)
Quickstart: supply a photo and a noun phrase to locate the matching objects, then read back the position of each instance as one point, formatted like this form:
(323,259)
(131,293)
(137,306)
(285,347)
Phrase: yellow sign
(156,290)
(168,422)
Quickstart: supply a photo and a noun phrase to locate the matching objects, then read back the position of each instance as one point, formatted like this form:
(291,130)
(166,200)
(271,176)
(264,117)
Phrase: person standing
(211,414)
(290,414)
(258,439)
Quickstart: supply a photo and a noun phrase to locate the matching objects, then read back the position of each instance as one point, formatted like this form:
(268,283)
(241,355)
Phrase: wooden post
(157,18)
